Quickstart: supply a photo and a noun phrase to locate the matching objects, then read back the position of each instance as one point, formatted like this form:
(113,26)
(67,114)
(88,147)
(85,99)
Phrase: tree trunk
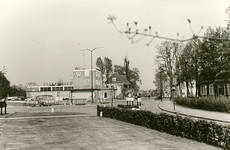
(226,89)
(170,84)
(188,93)
(180,90)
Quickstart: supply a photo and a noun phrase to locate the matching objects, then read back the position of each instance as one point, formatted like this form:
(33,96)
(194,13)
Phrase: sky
(40,40)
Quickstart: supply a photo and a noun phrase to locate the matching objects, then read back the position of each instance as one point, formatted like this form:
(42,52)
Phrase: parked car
(46,100)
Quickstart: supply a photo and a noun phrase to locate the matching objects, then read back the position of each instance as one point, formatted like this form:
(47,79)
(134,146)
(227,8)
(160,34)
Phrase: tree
(214,54)
(17,91)
(167,58)
(101,66)
(134,79)
(131,75)
(119,69)
(134,34)
(126,68)
(187,67)
(4,86)
(161,81)
(108,67)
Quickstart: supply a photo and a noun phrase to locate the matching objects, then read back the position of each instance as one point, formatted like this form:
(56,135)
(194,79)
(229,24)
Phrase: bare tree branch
(132,34)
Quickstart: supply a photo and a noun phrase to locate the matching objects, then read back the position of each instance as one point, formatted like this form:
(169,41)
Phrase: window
(68,88)
(203,90)
(57,88)
(114,79)
(45,89)
(86,81)
(211,89)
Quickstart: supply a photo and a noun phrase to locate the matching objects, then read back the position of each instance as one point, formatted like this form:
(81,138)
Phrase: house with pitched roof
(118,83)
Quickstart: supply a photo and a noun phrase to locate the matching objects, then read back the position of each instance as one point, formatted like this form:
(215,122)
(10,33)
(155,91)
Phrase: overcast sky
(40,39)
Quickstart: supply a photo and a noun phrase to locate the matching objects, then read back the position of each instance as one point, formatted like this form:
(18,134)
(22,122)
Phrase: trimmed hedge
(200,130)
(205,103)
(127,106)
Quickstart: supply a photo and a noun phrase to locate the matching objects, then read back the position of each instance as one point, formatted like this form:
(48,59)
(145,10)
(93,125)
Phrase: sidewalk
(167,105)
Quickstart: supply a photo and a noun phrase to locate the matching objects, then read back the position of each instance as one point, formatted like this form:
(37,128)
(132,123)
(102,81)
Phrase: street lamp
(91,50)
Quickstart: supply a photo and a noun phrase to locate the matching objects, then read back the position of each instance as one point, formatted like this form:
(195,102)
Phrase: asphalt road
(89,108)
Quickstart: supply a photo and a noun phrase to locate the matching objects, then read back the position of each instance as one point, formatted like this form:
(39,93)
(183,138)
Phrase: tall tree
(186,66)
(108,67)
(167,58)
(126,68)
(133,76)
(214,54)
(4,86)
(101,66)
(119,69)
(161,81)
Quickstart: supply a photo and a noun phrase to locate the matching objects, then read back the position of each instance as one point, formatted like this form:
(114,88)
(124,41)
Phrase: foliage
(214,54)
(168,57)
(127,106)
(131,75)
(188,64)
(17,91)
(200,130)
(108,67)
(100,65)
(205,103)
(160,82)
(4,86)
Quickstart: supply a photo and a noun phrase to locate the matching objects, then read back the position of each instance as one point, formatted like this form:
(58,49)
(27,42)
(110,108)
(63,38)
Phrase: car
(46,100)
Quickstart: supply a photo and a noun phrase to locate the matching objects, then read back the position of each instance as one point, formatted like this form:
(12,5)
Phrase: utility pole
(91,50)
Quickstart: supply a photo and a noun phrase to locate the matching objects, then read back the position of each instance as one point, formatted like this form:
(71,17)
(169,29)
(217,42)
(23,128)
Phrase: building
(82,87)
(79,88)
(119,83)
(53,89)
(219,86)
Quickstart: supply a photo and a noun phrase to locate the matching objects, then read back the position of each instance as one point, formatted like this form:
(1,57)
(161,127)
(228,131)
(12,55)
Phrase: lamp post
(112,88)
(91,50)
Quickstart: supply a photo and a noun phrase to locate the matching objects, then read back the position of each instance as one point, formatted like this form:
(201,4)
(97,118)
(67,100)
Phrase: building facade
(118,83)
(81,87)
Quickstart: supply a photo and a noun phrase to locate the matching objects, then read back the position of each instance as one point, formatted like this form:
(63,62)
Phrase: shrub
(200,130)
(205,103)
(127,106)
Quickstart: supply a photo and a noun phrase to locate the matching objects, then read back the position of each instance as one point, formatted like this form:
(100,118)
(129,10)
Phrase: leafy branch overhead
(135,35)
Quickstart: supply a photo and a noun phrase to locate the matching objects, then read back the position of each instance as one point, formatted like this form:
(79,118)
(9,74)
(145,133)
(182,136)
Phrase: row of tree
(197,60)
(7,90)
(107,68)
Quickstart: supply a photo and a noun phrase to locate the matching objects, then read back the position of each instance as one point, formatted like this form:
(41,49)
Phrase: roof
(115,78)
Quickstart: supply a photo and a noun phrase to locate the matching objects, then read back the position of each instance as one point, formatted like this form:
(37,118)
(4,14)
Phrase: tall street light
(91,50)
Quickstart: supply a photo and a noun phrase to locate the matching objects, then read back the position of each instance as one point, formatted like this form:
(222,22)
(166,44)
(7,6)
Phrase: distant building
(80,88)
(49,89)
(82,85)
(219,86)
(118,82)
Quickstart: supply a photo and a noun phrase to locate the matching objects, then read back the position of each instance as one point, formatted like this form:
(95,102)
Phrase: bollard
(52,110)
(101,114)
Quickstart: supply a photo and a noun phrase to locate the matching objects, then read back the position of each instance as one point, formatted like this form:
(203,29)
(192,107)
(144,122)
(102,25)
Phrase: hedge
(205,103)
(199,130)
(127,106)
